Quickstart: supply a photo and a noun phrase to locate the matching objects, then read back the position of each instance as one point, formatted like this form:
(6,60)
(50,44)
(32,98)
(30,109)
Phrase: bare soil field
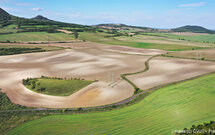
(101,47)
(89,64)
(165,70)
(189,33)
(65,31)
(91,61)
(208,54)
(161,40)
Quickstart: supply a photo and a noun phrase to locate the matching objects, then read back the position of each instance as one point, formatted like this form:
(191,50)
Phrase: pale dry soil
(91,61)
(166,70)
(86,63)
(207,54)
(189,34)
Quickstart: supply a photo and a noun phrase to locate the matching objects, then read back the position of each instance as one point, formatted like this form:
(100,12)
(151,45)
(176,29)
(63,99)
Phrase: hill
(6,19)
(41,18)
(194,29)
(124,27)
(4,15)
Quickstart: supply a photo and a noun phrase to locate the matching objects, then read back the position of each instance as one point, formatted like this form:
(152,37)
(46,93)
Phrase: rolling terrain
(168,109)
(64,78)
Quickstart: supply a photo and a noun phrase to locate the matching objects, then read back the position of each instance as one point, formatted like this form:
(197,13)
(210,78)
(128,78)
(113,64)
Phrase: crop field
(80,70)
(2,31)
(56,86)
(208,54)
(167,109)
(36,36)
(102,38)
(166,47)
(208,38)
(161,40)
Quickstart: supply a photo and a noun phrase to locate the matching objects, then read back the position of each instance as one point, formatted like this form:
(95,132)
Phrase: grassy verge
(165,110)
(5,103)
(9,121)
(55,86)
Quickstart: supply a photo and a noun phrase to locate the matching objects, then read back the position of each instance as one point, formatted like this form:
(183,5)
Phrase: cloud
(38,9)
(193,4)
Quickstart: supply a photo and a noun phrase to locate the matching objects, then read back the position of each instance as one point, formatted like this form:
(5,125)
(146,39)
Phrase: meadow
(36,36)
(209,38)
(55,86)
(165,110)
(105,38)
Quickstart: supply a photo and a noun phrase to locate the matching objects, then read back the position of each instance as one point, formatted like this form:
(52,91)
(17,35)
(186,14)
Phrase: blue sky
(150,13)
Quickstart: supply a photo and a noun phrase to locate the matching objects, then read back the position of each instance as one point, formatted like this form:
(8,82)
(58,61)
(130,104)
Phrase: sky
(148,13)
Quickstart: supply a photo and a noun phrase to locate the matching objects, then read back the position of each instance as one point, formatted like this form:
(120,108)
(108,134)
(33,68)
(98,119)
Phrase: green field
(56,86)
(100,38)
(104,38)
(36,36)
(8,31)
(197,38)
(174,107)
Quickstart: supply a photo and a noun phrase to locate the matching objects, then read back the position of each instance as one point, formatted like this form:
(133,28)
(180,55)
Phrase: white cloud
(38,9)
(193,4)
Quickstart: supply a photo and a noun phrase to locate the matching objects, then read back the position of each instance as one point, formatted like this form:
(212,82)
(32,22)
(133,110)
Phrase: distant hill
(194,29)
(41,18)
(123,27)
(4,15)
(7,19)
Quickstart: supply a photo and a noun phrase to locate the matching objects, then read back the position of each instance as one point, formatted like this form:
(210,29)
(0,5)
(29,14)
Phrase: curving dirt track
(92,62)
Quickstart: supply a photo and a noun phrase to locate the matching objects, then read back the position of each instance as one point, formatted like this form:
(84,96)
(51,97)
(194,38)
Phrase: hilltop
(4,15)
(194,29)
(41,18)
(6,19)
(124,27)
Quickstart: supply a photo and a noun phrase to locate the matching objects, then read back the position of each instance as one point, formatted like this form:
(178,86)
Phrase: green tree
(76,35)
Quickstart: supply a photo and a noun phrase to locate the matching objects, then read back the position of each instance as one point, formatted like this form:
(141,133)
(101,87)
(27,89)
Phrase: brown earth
(65,31)
(207,54)
(90,64)
(165,70)
(91,61)
(189,34)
